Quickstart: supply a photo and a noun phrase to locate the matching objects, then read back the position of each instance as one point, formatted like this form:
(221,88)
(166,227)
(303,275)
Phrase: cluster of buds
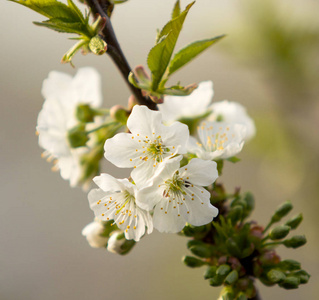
(237,251)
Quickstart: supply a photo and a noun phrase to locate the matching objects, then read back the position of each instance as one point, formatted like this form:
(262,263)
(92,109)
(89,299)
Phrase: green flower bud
(77,136)
(236,214)
(281,211)
(294,221)
(290,282)
(119,113)
(226,293)
(241,296)
(203,251)
(232,247)
(289,265)
(84,113)
(210,272)
(275,276)
(279,232)
(232,277)
(223,270)
(216,281)
(295,242)
(97,45)
(302,275)
(250,203)
(192,262)
(118,244)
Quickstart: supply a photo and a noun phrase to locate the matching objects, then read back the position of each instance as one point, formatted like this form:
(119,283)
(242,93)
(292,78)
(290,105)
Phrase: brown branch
(115,52)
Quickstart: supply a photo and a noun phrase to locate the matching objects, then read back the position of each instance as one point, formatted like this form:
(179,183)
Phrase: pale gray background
(42,252)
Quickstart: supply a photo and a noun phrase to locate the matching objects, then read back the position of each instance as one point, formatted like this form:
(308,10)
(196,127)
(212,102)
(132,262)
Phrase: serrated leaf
(77,11)
(49,8)
(61,26)
(176,10)
(160,54)
(188,53)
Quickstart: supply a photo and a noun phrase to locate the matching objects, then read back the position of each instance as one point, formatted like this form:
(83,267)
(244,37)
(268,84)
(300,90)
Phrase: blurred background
(268,62)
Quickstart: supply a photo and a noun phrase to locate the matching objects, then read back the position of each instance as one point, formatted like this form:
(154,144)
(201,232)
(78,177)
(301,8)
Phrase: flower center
(174,186)
(157,150)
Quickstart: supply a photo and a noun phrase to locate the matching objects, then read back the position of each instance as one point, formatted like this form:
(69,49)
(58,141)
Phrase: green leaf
(160,55)
(61,26)
(50,8)
(177,10)
(188,53)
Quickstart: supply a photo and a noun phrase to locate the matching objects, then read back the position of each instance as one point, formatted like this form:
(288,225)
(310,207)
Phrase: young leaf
(50,8)
(177,10)
(160,54)
(188,53)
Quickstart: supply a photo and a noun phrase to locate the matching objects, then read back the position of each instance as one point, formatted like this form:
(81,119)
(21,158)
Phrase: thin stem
(115,52)
(102,126)
(272,244)
(268,226)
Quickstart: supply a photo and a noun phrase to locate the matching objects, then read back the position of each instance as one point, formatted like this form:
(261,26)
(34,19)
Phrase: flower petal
(122,151)
(200,172)
(144,121)
(167,220)
(108,183)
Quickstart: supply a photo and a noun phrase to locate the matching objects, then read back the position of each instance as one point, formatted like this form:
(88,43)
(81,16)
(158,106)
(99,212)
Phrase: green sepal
(77,136)
(233,159)
(189,52)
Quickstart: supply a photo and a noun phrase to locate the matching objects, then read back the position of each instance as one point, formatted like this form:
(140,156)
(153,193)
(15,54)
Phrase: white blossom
(93,233)
(194,105)
(233,112)
(115,200)
(62,94)
(149,144)
(178,195)
(217,140)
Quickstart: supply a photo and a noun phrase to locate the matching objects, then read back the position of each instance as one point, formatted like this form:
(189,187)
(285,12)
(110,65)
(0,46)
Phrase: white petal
(197,209)
(120,150)
(108,183)
(200,172)
(144,121)
(233,112)
(148,197)
(196,104)
(176,134)
(143,174)
(70,169)
(87,86)
(167,219)
(56,86)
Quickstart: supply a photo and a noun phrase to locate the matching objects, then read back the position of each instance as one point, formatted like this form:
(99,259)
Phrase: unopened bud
(97,45)
(232,247)
(250,203)
(236,213)
(232,277)
(77,136)
(275,276)
(84,113)
(290,282)
(281,211)
(119,113)
(302,275)
(241,296)
(216,281)
(295,242)
(223,270)
(131,102)
(269,258)
(94,235)
(289,265)
(203,251)
(118,244)
(294,221)
(210,272)
(226,293)
(279,232)
(192,262)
